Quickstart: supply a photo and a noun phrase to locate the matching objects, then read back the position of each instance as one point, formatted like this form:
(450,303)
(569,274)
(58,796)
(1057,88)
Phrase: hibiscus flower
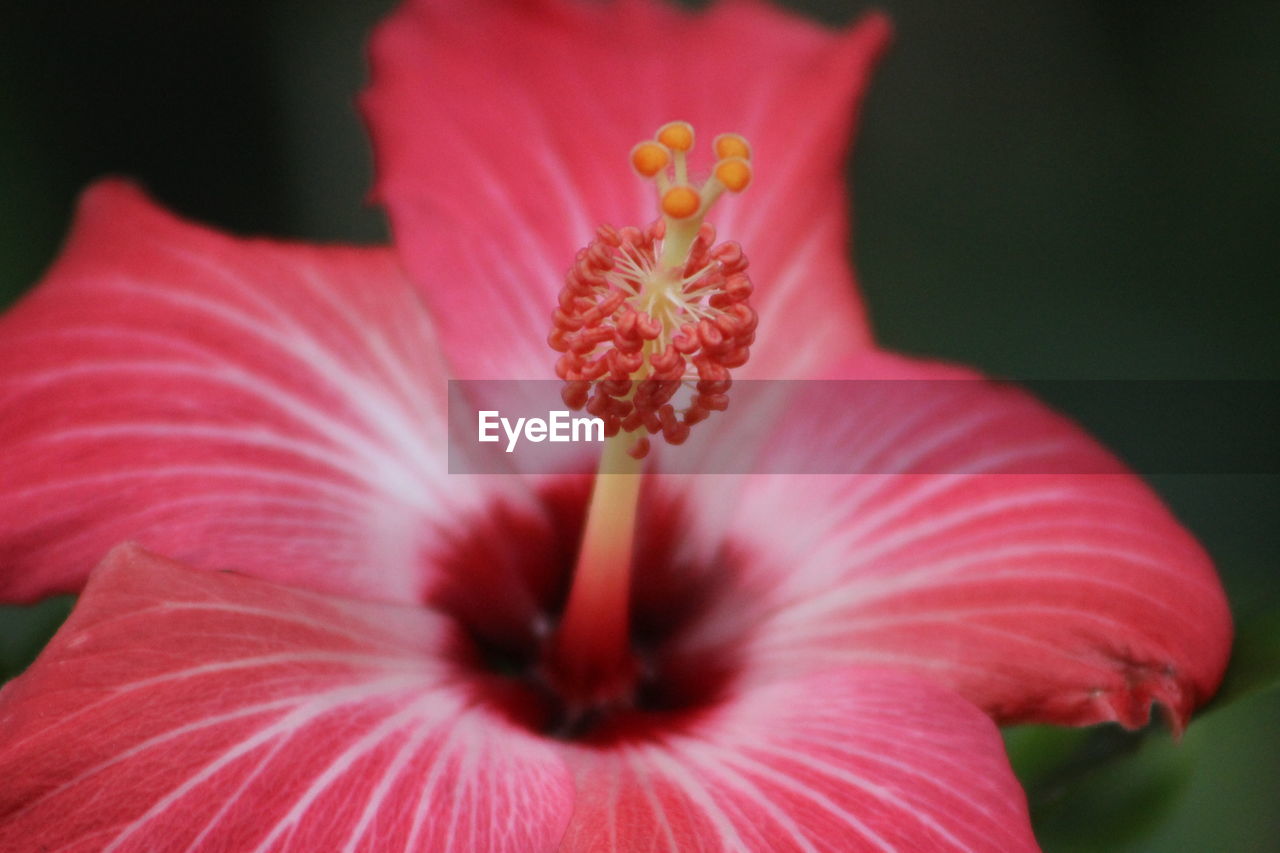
(344,647)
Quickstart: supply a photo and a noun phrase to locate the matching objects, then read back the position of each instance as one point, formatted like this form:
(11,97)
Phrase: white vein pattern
(1039,580)
(882,763)
(232,403)
(232,714)
(191,710)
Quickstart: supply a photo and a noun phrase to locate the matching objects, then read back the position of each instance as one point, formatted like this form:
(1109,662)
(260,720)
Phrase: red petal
(1038,592)
(181,710)
(233,403)
(851,760)
(502,132)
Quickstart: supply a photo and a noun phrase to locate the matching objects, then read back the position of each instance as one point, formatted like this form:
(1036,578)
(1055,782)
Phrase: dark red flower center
(506,586)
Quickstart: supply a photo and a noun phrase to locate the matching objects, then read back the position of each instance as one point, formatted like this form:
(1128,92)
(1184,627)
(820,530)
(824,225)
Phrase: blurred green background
(1048,189)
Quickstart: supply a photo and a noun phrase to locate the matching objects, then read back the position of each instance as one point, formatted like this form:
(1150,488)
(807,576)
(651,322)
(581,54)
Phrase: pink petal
(1038,592)
(230,402)
(851,760)
(502,131)
(182,710)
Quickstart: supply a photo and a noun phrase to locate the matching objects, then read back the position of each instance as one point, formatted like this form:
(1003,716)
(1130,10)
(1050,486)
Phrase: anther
(649,158)
(676,135)
(734,173)
(681,202)
(729,145)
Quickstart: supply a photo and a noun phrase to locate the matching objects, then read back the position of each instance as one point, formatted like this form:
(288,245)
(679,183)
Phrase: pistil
(592,646)
(644,314)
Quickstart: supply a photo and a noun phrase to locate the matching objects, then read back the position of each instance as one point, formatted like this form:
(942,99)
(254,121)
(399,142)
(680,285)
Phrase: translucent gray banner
(953,426)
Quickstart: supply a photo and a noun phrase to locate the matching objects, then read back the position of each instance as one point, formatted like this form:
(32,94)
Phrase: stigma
(652,319)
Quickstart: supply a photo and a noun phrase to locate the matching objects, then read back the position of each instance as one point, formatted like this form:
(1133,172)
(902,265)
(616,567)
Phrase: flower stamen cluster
(645,312)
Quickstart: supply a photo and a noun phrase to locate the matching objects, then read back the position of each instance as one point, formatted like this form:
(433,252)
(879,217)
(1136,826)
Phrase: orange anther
(681,202)
(676,135)
(729,145)
(649,158)
(734,173)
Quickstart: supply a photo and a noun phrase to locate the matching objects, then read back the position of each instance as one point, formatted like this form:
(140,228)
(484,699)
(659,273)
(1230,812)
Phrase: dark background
(1048,189)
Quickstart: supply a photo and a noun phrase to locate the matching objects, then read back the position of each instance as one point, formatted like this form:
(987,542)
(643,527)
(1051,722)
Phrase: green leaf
(1104,788)
(1255,660)
(24,631)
